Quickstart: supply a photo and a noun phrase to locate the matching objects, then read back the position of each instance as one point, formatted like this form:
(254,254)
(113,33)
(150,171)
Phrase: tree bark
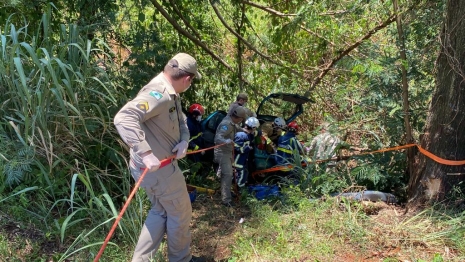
(445,128)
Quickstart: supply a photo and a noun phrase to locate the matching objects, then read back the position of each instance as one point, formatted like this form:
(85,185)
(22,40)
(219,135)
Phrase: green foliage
(93,205)
(93,16)
(16,160)
(60,89)
(57,93)
(16,168)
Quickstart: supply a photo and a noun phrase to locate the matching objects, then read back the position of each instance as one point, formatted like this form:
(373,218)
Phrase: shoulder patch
(143,105)
(224,127)
(156,94)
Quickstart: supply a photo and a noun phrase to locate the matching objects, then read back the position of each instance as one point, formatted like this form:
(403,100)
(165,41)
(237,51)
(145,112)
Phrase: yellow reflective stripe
(195,137)
(268,141)
(195,148)
(235,164)
(285,150)
(244,145)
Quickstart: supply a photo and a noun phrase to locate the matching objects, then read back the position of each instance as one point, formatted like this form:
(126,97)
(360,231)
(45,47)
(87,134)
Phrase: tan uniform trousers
(170,213)
(225,163)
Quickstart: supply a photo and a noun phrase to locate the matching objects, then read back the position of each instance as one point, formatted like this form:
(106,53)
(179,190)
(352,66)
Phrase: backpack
(209,125)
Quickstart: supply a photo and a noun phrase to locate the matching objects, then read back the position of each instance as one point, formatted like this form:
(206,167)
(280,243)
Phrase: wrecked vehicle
(285,105)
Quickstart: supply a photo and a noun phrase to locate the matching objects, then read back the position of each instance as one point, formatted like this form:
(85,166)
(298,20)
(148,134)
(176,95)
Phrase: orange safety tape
(441,160)
(277,168)
(422,150)
(131,195)
(273,169)
(388,149)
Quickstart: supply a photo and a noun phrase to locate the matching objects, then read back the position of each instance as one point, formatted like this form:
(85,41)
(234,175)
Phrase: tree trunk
(445,126)
(406,106)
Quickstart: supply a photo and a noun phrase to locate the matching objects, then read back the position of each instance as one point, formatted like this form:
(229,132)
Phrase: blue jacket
(195,131)
(287,145)
(242,146)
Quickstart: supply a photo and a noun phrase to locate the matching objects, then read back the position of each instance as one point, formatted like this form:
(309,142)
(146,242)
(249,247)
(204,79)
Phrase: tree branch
(178,12)
(249,45)
(330,65)
(288,16)
(267,9)
(337,12)
(188,35)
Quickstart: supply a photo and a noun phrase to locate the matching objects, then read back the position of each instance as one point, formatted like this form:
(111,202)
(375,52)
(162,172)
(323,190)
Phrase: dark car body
(286,105)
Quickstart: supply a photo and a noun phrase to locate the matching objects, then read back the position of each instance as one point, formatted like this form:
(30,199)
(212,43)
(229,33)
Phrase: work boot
(197,259)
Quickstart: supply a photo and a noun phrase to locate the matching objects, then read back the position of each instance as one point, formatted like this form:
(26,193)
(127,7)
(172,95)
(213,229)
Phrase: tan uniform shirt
(153,120)
(247,111)
(225,130)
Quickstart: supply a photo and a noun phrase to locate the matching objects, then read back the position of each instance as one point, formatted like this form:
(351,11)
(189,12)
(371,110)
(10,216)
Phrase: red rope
(133,192)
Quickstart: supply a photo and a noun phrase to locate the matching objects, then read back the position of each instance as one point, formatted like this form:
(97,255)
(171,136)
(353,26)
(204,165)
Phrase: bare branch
(330,65)
(176,10)
(288,16)
(249,45)
(337,12)
(267,9)
(188,35)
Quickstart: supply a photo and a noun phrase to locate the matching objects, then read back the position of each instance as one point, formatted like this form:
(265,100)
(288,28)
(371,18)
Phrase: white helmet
(252,122)
(279,122)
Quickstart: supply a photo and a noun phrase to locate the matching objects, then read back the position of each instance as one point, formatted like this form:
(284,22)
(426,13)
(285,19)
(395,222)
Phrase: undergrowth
(287,228)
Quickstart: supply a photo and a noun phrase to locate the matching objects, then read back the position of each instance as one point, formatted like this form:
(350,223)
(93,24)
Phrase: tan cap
(240,112)
(242,96)
(187,63)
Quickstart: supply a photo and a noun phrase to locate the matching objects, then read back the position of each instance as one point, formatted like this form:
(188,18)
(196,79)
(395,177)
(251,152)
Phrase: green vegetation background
(66,67)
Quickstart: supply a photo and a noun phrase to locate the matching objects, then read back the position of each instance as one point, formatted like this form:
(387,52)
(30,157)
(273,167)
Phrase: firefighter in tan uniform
(224,154)
(154,128)
(241,100)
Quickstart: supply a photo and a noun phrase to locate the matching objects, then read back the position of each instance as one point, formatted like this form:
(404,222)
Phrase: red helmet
(196,108)
(293,126)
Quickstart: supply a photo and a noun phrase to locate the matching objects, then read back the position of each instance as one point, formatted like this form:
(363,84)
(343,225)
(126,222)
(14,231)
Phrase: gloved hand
(181,149)
(228,141)
(151,162)
(202,153)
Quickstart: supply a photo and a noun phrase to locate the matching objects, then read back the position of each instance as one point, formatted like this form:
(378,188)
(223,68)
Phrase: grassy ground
(294,230)
(329,230)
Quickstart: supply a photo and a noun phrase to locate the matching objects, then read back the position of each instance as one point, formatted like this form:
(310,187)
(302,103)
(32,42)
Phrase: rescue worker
(323,146)
(243,144)
(278,129)
(288,145)
(224,154)
(241,100)
(154,127)
(194,116)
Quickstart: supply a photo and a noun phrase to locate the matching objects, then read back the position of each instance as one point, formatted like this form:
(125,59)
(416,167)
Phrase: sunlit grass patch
(307,233)
(419,235)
